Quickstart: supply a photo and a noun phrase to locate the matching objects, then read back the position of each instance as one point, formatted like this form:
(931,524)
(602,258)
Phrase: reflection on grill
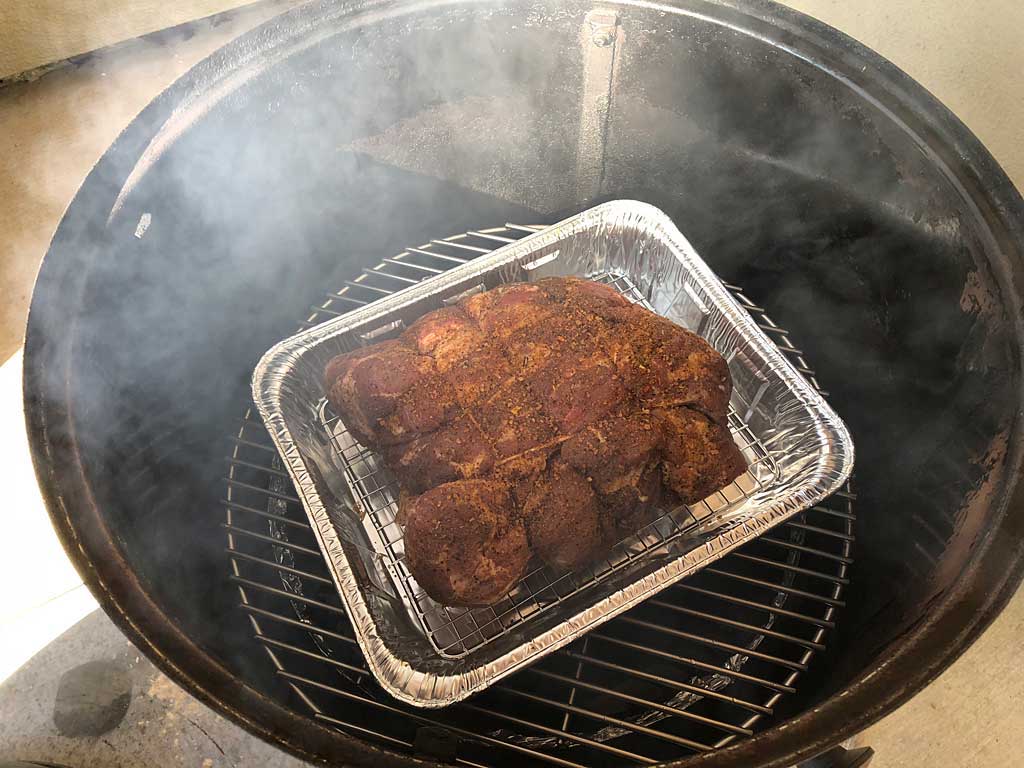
(690,670)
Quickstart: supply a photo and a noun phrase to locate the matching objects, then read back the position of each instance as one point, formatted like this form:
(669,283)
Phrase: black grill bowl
(841,196)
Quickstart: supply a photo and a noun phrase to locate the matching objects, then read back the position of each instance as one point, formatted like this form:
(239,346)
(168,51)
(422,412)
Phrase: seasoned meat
(426,406)
(563,517)
(513,421)
(448,335)
(509,308)
(587,296)
(699,456)
(620,458)
(367,384)
(478,377)
(548,419)
(670,366)
(633,502)
(580,394)
(464,542)
(546,344)
(604,450)
(459,450)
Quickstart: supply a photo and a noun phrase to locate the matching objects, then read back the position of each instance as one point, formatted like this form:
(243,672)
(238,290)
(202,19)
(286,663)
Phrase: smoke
(275,171)
(57,121)
(54,127)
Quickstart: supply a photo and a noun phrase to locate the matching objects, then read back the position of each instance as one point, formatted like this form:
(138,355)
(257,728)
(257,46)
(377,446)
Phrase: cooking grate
(455,632)
(690,670)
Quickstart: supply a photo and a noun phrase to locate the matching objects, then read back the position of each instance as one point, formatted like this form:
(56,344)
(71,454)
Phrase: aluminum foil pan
(430,655)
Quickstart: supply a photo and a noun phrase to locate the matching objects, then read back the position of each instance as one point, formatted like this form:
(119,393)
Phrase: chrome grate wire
(694,668)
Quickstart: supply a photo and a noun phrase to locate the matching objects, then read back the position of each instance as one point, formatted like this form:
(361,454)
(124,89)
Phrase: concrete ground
(50,711)
(52,130)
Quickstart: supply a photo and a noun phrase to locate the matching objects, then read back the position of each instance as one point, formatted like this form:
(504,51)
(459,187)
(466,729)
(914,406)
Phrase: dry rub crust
(573,536)
(699,456)
(548,418)
(463,542)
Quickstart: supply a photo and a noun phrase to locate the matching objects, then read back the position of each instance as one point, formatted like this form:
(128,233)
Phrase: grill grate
(690,670)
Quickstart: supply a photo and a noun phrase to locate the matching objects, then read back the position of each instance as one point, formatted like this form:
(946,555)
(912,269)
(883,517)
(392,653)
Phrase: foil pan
(429,655)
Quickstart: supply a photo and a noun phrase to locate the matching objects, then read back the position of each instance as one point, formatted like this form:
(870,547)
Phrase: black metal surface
(839,757)
(850,204)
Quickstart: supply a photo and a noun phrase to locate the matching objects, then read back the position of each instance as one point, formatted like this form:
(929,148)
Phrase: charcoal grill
(853,210)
